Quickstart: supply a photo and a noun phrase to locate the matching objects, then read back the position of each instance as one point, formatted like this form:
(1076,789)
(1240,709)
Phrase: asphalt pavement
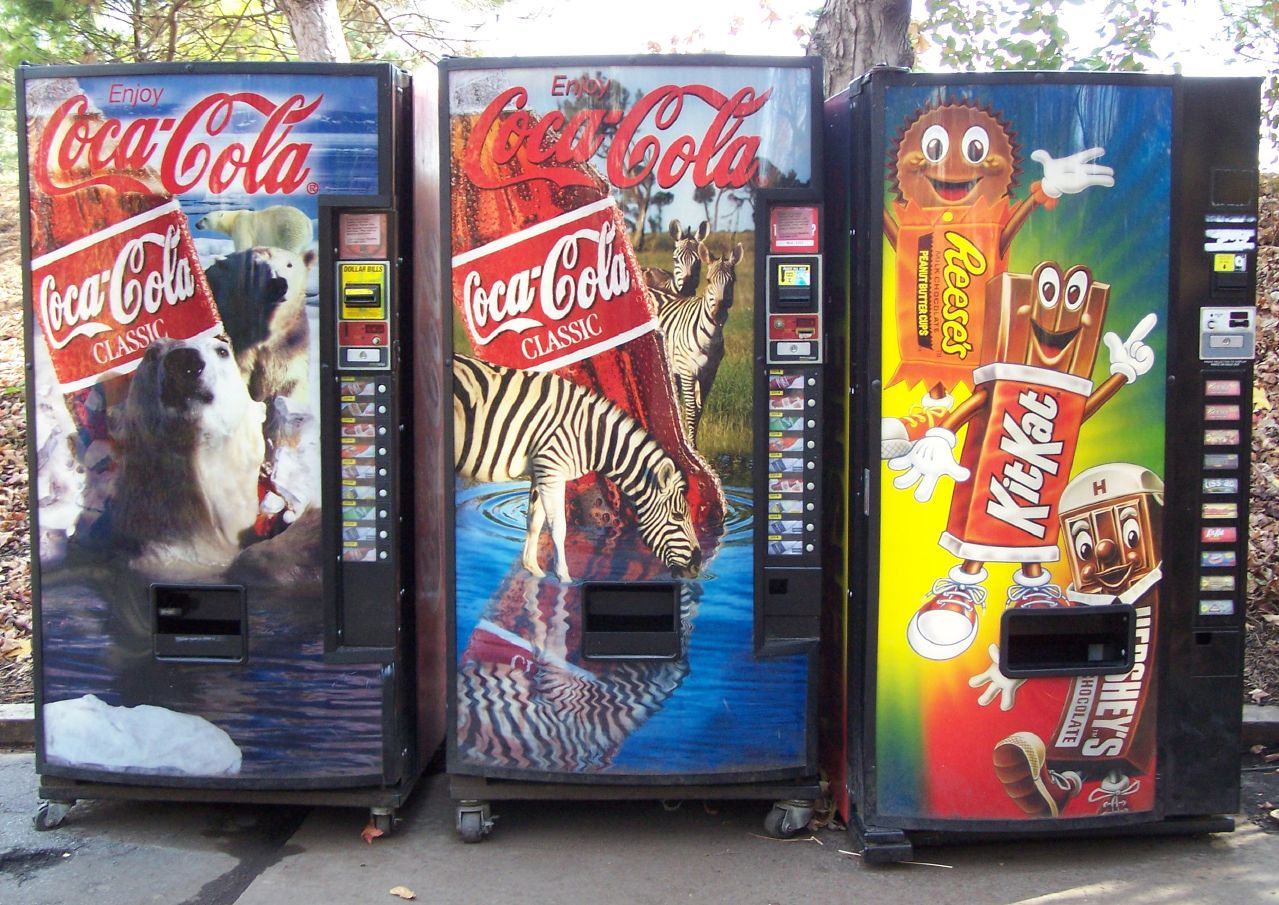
(128,852)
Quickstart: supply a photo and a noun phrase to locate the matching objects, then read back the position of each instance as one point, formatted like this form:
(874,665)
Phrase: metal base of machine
(887,845)
(793,802)
(59,794)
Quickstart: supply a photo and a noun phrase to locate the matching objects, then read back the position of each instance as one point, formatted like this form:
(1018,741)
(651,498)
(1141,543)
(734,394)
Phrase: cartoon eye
(1048,286)
(935,143)
(1083,545)
(1078,282)
(1130,531)
(976,144)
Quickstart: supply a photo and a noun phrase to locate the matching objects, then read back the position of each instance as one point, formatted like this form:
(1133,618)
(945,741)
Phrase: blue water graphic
(529,700)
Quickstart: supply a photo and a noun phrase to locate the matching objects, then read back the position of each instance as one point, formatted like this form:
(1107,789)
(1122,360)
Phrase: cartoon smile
(952,191)
(1114,579)
(1056,341)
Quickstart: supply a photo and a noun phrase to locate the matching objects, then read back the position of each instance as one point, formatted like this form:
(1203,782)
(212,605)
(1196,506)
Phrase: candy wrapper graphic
(1101,755)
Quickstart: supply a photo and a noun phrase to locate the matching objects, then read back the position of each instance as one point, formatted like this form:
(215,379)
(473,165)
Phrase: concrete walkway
(125,853)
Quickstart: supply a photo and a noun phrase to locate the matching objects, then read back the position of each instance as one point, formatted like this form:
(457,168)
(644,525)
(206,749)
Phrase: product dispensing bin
(1051,292)
(634,262)
(226,603)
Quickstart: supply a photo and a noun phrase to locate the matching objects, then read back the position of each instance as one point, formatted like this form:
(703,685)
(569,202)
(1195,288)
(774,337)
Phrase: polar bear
(191,450)
(261,295)
(279,226)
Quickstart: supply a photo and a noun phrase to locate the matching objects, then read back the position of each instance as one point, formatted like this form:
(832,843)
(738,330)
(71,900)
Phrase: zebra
(694,331)
(528,700)
(510,424)
(686,259)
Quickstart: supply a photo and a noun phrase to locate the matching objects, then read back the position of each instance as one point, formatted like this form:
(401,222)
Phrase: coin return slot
(1067,642)
(199,622)
(629,621)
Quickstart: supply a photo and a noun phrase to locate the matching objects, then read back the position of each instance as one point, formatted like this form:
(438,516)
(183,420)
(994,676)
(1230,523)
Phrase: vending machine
(226,602)
(1051,283)
(634,259)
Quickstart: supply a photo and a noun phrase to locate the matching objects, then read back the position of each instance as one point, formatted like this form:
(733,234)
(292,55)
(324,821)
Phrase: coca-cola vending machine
(225,603)
(633,255)
(1051,283)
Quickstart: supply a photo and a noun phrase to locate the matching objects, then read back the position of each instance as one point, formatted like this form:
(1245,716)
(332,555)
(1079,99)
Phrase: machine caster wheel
(383,819)
(51,814)
(474,821)
(787,818)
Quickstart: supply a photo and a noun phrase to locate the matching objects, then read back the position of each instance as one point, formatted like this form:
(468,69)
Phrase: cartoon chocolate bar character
(1028,402)
(1111,520)
(954,170)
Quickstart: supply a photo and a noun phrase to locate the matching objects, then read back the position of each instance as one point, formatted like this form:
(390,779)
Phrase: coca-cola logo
(723,156)
(554,292)
(76,141)
(149,272)
(582,268)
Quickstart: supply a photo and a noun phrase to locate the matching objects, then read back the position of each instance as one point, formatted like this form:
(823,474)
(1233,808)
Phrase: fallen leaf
(1258,695)
(1257,749)
(1271,618)
(403,892)
(371,832)
(1274,815)
(1260,403)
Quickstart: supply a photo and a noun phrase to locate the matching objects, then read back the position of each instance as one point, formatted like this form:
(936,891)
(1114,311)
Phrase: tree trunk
(317,30)
(851,36)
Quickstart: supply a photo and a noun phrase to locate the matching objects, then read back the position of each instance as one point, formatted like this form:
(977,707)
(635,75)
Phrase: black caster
(787,818)
(474,821)
(50,814)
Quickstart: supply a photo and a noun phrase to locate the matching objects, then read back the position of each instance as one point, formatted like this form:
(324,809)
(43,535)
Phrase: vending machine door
(210,250)
(635,527)
(1028,606)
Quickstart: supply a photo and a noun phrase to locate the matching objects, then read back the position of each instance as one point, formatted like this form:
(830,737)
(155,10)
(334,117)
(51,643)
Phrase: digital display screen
(794,275)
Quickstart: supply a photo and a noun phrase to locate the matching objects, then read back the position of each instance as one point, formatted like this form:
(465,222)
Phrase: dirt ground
(1261,664)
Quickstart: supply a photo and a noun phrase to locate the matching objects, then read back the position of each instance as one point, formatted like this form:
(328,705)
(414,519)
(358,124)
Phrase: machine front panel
(1025,337)
(610,235)
(175,330)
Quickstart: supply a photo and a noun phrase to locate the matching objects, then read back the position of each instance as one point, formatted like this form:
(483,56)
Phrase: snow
(88,732)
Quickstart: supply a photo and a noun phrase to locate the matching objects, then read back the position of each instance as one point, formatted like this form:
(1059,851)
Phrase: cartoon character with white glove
(1030,397)
(955,167)
(1112,522)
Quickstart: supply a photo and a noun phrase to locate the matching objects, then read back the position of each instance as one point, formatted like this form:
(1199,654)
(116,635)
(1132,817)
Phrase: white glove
(1132,358)
(1071,175)
(931,457)
(997,684)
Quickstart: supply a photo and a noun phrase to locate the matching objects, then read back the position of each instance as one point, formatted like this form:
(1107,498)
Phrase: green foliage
(993,34)
(1254,32)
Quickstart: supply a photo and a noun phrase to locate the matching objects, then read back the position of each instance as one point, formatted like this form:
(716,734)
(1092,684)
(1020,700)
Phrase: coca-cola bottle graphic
(113,267)
(544,277)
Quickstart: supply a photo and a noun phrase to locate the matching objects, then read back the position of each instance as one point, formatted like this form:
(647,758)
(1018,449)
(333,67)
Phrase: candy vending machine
(1050,283)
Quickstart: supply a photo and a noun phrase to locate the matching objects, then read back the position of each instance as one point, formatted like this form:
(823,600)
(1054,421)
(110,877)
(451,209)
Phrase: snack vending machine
(634,259)
(219,424)
(1051,283)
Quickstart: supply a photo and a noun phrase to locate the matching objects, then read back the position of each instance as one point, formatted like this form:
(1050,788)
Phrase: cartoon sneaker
(1043,597)
(945,626)
(1021,765)
(898,435)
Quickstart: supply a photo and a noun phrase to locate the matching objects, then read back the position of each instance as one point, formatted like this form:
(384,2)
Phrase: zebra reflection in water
(528,700)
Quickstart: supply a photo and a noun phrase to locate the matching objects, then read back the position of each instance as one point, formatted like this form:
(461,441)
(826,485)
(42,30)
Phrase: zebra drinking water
(510,424)
(694,331)
(686,260)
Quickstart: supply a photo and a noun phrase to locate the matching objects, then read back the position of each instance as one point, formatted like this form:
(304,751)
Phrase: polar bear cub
(279,226)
